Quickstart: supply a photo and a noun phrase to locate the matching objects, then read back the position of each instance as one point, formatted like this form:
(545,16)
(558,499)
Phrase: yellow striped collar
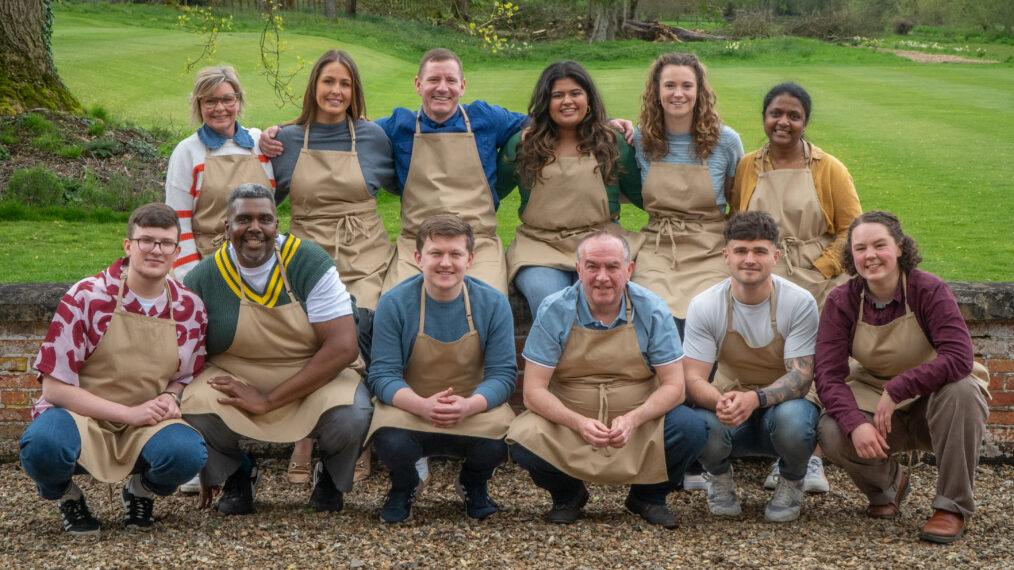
(231,276)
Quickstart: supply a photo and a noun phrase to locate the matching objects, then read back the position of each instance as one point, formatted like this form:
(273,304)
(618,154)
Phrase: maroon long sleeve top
(936,311)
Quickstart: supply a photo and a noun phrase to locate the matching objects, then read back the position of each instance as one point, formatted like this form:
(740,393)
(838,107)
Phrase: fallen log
(656,31)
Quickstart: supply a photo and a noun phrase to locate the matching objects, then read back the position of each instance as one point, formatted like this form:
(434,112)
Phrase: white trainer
(694,482)
(191,487)
(815,481)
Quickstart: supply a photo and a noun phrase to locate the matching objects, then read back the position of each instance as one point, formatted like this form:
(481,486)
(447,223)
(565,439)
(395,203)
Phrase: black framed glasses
(148,245)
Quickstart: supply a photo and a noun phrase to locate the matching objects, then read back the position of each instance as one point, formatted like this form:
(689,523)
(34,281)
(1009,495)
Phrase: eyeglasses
(228,101)
(147,245)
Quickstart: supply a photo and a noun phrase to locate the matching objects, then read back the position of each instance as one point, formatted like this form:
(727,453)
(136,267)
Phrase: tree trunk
(330,10)
(350,8)
(28,76)
(607,17)
(462,10)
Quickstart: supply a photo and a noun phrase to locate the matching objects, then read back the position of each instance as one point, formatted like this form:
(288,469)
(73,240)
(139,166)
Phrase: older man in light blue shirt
(597,410)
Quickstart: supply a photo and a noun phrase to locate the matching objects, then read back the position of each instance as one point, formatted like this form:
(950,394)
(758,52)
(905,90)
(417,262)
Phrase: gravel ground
(832,531)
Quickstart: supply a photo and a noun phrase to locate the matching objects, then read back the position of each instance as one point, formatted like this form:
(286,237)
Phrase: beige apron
(332,207)
(271,345)
(687,228)
(743,367)
(601,374)
(882,352)
(221,175)
(790,196)
(133,363)
(435,366)
(445,176)
(568,202)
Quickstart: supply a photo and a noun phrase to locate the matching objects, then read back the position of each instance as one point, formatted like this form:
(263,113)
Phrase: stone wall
(26,309)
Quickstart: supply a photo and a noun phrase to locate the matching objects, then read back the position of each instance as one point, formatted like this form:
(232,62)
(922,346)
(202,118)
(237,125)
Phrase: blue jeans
(399,449)
(683,433)
(536,283)
(787,431)
(51,445)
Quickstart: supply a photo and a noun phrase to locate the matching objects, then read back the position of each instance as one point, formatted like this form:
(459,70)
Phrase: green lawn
(931,142)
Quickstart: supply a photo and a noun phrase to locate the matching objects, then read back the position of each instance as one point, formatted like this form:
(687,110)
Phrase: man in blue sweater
(443,368)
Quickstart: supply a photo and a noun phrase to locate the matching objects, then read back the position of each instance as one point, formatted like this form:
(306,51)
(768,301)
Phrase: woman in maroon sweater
(913,383)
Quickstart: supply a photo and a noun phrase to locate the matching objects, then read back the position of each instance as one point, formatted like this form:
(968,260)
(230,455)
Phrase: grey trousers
(950,423)
(339,432)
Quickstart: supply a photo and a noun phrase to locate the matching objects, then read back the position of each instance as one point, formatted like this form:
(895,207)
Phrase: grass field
(931,142)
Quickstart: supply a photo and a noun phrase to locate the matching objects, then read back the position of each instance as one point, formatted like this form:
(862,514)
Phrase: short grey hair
(205,83)
(602,233)
(249,190)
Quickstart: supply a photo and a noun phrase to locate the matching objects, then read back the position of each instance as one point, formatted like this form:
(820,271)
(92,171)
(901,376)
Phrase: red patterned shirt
(83,315)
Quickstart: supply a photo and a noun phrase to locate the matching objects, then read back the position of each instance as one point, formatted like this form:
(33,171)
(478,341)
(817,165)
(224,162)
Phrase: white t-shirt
(795,317)
(328,300)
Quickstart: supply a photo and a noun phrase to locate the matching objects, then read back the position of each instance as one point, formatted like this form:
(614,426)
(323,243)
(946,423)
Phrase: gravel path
(832,532)
(923,57)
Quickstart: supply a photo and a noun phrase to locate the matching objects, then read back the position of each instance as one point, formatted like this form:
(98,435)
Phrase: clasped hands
(154,411)
(599,435)
(870,440)
(446,409)
(734,408)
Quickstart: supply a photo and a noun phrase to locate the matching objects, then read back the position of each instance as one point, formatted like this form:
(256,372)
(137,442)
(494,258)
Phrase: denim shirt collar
(585,318)
(213,140)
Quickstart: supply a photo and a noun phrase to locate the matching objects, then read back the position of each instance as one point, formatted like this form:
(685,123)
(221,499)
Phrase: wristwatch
(761,398)
(176,398)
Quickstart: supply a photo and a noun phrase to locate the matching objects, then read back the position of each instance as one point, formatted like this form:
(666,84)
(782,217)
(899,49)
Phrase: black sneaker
(398,505)
(657,515)
(77,519)
(137,511)
(478,505)
(325,498)
(238,492)
(569,512)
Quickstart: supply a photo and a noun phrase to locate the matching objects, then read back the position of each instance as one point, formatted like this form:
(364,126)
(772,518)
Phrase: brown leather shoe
(943,527)
(891,510)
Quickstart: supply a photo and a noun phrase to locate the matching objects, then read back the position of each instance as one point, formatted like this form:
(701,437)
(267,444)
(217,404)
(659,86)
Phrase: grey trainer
(722,499)
(785,504)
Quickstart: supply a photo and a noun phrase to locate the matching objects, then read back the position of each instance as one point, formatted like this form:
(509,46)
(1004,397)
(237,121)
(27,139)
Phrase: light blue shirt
(656,332)
(721,163)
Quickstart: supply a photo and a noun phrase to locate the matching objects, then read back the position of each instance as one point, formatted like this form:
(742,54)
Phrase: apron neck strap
(306,135)
(352,132)
(464,115)
(771,298)
(767,146)
(123,285)
(422,308)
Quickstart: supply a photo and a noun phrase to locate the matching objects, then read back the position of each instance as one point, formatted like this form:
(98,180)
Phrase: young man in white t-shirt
(765,352)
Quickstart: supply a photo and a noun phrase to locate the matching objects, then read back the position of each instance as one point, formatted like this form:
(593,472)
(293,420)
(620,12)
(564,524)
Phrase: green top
(215,281)
(628,184)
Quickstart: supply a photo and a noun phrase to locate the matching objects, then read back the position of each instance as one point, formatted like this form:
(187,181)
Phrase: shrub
(752,25)
(8,136)
(141,148)
(97,128)
(36,123)
(119,193)
(70,151)
(831,25)
(99,113)
(35,187)
(49,142)
(102,148)
(4,152)
(902,25)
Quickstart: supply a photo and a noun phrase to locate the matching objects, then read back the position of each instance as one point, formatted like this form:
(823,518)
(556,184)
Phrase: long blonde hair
(706,126)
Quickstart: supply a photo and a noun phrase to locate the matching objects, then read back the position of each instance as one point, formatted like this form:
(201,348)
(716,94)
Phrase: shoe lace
(814,468)
(721,485)
(140,508)
(75,511)
(786,493)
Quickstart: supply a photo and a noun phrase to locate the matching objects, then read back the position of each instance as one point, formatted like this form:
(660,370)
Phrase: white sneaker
(694,482)
(422,467)
(815,481)
(787,501)
(722,499)
(191,487)
(772,480)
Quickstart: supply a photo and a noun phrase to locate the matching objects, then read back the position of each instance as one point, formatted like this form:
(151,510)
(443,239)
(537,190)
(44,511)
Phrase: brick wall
(26,309)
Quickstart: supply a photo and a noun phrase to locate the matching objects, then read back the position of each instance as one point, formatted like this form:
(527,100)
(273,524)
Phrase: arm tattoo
(796,382)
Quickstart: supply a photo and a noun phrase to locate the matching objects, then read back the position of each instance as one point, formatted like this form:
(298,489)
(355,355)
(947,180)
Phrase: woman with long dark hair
(570,169)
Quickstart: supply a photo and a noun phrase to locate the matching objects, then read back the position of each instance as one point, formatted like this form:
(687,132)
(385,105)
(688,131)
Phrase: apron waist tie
(669,227)
(604,414)
(349,226)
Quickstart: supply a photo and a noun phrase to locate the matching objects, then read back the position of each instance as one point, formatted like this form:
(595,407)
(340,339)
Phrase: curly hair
(357,106)
(706,126)
(538,147)
(909,258)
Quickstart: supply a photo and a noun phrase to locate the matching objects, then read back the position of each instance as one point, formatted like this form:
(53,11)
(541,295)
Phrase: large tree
(28,76)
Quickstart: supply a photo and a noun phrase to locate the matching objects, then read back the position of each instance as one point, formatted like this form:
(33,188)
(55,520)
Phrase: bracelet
(762,398)
(176,398)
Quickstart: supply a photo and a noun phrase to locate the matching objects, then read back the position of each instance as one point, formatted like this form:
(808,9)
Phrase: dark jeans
(51,445)
(399,449)
(684,435)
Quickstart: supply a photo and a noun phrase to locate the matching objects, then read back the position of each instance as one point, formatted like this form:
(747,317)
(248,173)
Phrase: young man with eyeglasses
(122,345)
